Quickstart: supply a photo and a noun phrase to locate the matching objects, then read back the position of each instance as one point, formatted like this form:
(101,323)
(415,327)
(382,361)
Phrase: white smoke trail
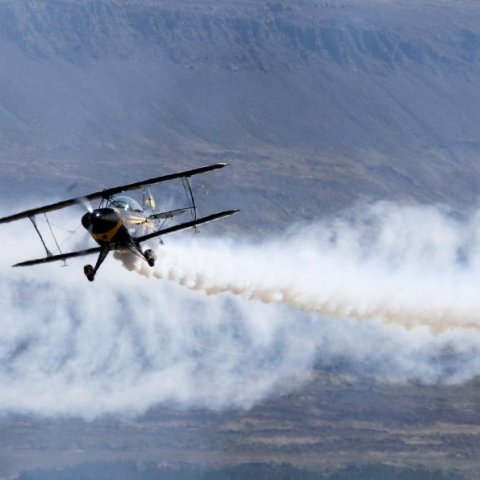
(125,343)
(409,265)
(69,347)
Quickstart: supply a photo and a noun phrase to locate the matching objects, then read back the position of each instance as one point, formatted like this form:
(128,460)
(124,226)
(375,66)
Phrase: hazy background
(314,103)
(345,346)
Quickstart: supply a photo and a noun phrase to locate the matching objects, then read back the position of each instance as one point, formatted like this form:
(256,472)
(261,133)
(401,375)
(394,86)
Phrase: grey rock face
(316,103)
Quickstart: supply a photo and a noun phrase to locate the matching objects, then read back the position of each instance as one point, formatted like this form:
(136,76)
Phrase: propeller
(85,202)
(87,218)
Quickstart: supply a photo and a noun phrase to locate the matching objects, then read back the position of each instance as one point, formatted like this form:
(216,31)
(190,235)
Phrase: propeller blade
(85,202)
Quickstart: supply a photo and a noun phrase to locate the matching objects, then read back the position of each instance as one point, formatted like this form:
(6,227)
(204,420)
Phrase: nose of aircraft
(87,221)
(100,220)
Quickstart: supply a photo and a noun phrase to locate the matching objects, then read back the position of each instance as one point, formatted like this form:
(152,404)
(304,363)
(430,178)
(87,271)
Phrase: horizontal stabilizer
(183,226)
(169,214)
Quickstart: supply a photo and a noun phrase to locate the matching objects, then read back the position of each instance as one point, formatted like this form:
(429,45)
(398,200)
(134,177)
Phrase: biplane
(120,223)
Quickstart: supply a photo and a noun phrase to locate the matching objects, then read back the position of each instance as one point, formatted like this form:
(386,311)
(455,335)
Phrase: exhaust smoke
(388,293)
(407,265)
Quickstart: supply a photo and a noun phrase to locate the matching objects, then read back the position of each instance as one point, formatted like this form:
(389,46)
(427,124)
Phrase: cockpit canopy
(125,203)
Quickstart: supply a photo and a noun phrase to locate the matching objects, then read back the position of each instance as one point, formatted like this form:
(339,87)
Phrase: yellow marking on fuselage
(108,236)
(136,220)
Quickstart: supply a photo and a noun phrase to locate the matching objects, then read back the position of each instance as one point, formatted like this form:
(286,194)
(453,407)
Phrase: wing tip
(231,212)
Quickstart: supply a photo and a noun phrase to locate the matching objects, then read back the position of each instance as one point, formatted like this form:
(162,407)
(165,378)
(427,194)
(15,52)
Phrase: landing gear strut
(89,271)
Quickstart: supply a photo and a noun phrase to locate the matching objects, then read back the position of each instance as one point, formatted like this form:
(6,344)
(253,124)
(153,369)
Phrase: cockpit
(125,203)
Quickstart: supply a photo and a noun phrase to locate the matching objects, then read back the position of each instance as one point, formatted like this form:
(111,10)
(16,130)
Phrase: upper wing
(107,193)
(182,226)
(56,258)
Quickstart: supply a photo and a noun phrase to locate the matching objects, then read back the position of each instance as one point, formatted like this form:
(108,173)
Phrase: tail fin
(148,200)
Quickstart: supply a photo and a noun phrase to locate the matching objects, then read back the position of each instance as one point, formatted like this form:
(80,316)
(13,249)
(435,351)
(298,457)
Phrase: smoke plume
(385,293)
(408,265)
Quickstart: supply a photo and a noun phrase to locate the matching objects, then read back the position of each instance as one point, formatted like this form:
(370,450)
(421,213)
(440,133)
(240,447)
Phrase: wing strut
(53,235)
(34,222)
(189,192)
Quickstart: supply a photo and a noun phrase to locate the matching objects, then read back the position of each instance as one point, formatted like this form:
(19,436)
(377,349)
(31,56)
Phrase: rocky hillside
(315,103)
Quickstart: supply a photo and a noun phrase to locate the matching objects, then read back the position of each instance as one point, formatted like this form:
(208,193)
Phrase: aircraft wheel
(150,257)
(89,273)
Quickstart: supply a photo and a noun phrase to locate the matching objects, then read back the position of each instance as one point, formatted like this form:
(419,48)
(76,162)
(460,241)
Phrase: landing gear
(89,272)
(149,257)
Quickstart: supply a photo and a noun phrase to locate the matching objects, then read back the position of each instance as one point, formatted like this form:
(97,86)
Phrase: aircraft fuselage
(116,225)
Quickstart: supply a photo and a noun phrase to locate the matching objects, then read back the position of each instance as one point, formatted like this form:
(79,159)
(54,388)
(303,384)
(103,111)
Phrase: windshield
(125,203)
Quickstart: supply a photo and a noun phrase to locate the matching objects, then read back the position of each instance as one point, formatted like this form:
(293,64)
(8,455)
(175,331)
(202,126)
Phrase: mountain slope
(315,104)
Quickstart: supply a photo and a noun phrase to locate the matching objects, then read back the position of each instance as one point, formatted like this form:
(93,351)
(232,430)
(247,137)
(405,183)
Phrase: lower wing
(182,226)
(56,258)
(163,231)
